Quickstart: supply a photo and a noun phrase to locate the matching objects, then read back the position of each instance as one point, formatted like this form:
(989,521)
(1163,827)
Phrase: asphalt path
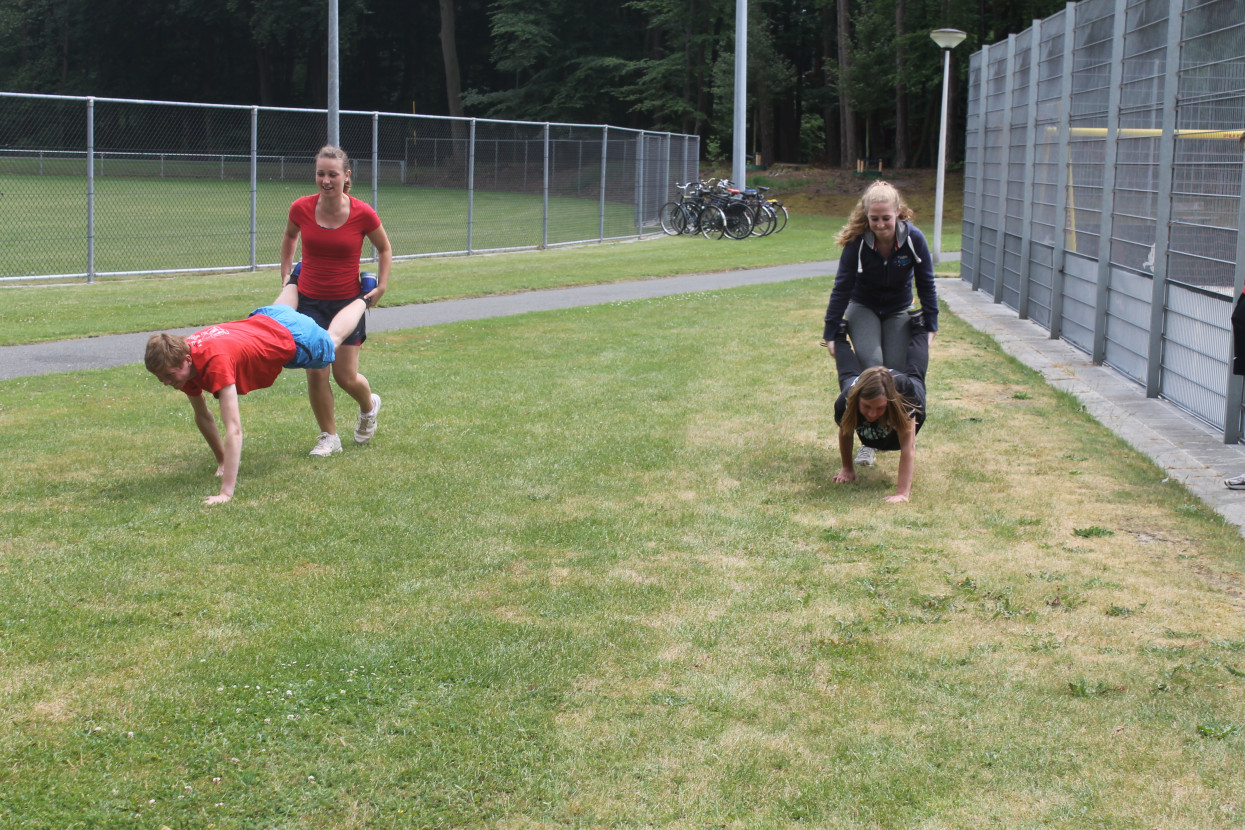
(121,349)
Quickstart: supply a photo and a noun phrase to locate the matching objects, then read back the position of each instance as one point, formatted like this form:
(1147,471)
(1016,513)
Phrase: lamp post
(334,79)
(948,39)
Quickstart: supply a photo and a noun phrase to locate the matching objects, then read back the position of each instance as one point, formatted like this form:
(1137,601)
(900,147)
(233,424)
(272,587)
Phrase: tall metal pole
(948,39)
(741,90)
(334,127)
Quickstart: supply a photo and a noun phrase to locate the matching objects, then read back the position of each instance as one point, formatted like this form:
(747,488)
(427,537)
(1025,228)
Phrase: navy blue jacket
(884,286)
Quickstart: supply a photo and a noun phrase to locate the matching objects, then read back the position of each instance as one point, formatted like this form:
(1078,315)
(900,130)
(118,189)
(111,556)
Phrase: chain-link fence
(95,186)
(1103,188)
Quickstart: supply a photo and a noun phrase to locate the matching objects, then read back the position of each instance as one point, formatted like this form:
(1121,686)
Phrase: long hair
(877,382)
(858,222)
(165,351)
(328,151)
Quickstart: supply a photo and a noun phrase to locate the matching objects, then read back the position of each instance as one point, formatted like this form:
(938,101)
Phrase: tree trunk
(901,81)
(847,116)
(453,77)
(765,122)
(831,132)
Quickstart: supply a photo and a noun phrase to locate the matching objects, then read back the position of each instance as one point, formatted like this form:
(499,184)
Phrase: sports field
(145,224)
(592,572)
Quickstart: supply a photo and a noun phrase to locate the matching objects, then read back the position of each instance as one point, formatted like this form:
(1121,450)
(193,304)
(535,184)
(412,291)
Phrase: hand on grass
(895,499)
(845,476)
(220,471)
(220,498)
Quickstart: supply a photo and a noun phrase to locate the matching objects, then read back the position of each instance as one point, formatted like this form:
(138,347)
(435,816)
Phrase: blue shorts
(313,346)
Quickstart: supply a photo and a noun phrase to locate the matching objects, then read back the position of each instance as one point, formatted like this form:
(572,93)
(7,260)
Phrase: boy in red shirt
(231,359)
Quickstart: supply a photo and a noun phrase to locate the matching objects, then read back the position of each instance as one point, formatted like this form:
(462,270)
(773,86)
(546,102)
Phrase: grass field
(605,581)
(146,224)
(30,313)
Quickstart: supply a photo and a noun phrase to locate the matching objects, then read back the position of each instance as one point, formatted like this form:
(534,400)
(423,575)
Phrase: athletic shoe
(329,444)
(865,456)
(1237,483)
(366,427)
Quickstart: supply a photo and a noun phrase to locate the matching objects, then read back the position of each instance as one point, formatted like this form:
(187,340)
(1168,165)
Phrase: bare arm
(289,241)
(384,256)
(848,473)
(207,428)
(232,419)
(907,463)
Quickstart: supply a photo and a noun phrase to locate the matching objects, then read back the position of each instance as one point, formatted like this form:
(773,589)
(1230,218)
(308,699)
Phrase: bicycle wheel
(673,220)
(739,220)
(712,222)
(780,213)
(691,216)
(765,220)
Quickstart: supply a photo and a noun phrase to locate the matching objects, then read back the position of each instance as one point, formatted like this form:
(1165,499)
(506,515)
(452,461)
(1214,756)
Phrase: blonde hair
(329,151)
(858,221)
(877,382)
(164,351)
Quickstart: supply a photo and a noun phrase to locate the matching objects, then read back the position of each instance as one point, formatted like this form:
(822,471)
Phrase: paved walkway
(1189,450)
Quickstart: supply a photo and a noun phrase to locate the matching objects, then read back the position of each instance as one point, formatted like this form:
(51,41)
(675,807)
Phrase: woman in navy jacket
(883,255)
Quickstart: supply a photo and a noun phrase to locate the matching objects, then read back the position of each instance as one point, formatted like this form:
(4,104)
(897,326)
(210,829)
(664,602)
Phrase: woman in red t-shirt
(333,225)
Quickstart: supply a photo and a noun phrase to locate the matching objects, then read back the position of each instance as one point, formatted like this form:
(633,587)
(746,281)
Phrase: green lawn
(605,581)
(199,223)
(32,312)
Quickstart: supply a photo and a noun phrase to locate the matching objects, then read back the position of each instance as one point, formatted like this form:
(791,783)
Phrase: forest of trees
(829,81)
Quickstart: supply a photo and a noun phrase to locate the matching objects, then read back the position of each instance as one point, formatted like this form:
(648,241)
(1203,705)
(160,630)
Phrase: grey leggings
(878,340)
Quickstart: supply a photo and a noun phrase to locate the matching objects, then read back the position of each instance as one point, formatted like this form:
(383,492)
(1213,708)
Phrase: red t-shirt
(331,255)
(249,353)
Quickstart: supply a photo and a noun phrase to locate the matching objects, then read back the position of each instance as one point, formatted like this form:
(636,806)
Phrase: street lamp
(948,39)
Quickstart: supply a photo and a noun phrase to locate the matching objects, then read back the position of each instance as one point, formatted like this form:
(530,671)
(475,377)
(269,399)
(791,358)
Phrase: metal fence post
(639,184)
(471,183)
(376,161)
(1163,212)
(1005,185)
(982,131)
(1026,211)
(544,239)
(90,190)
(605,143)
(254,182)
(1236,383)
(1106,227)
(1059,255)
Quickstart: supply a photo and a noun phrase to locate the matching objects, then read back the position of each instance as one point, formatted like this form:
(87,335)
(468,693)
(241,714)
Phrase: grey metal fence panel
(1080,295)
(993,170)
(1136,188)
(1133,202)
(1196,354)
(1047,224)
(1128,323)
(1016,196)
(173,187)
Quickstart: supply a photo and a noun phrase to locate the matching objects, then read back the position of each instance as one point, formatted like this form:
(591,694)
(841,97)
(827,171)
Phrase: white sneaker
(329,444)
(1237,483)
(366,426)
(865,456)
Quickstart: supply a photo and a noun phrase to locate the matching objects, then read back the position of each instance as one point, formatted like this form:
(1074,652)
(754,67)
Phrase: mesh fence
(1103,188)
(110,187)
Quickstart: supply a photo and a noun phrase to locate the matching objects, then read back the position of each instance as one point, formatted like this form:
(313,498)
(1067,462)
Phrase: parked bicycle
(715,208)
